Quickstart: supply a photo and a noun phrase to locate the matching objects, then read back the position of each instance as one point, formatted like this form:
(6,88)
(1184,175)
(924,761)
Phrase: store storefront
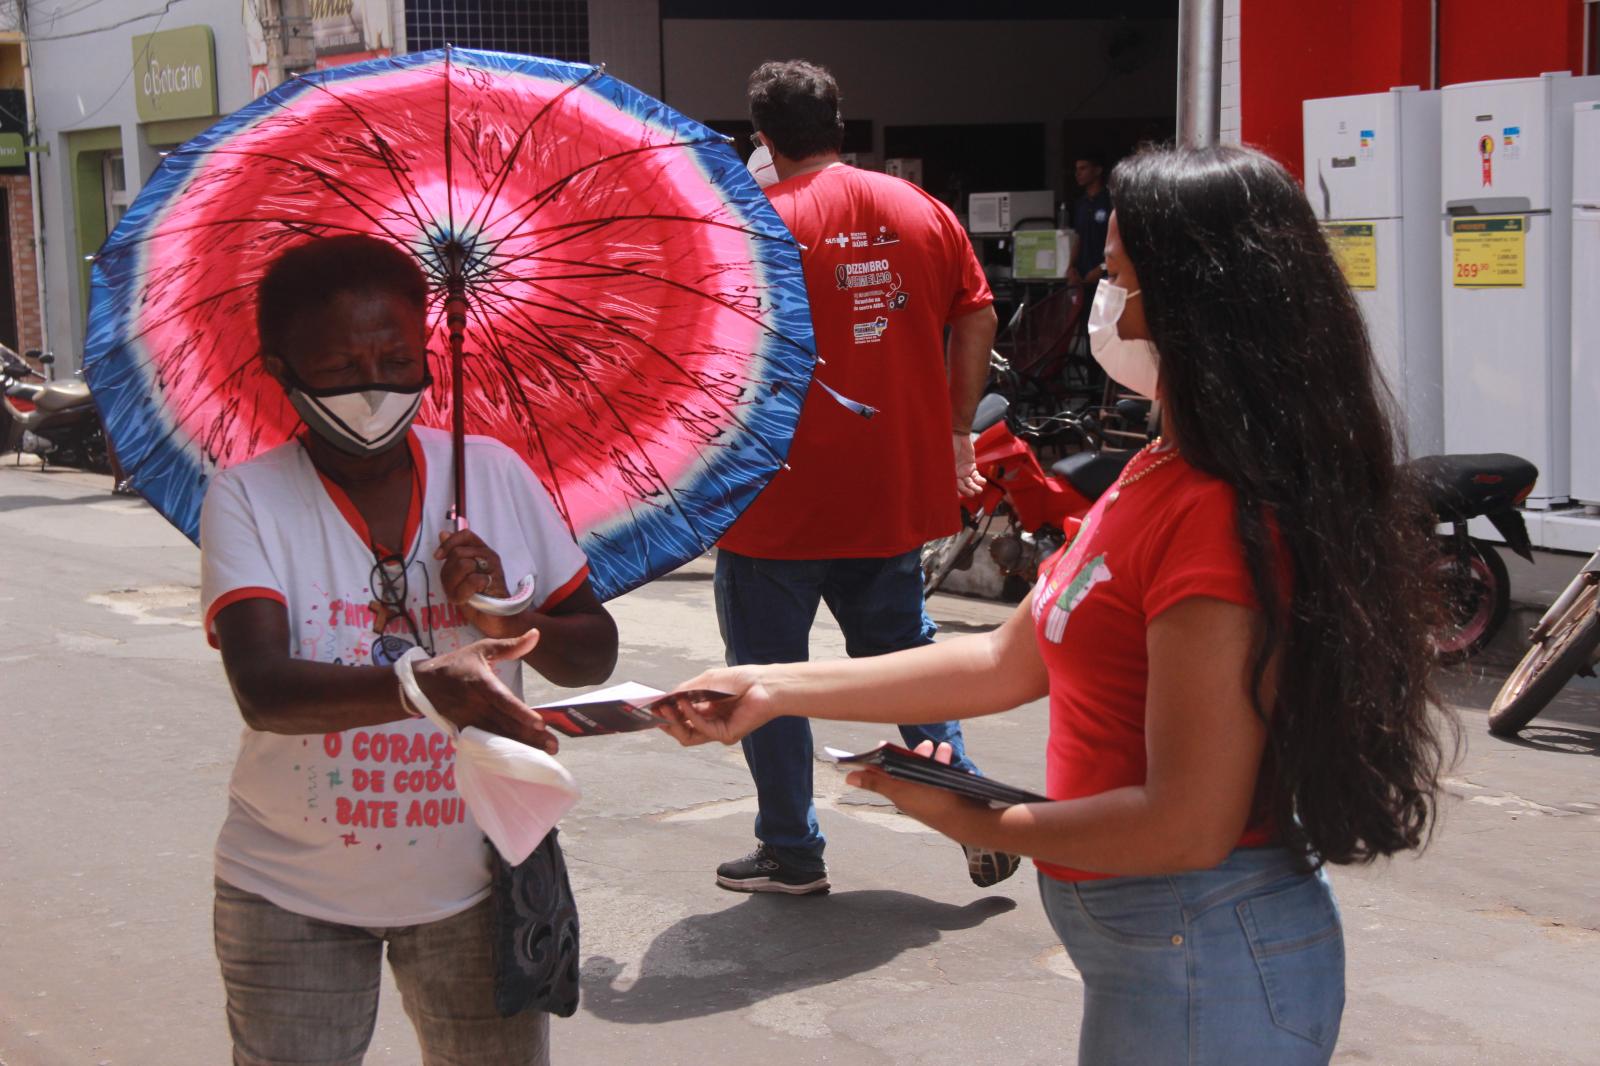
(110,103)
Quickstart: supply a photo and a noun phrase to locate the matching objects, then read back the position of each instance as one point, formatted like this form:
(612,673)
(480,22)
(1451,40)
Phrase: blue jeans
(765,608)
(1239,965)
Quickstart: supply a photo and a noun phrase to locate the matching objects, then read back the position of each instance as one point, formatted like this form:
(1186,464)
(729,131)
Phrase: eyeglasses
(755,139)
(387,580)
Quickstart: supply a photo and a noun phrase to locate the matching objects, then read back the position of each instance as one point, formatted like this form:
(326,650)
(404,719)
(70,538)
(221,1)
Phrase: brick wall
(24,267)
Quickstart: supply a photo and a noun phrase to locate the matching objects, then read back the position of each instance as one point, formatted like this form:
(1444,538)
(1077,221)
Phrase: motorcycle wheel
(1477,597)
(1568,648)
(939,557)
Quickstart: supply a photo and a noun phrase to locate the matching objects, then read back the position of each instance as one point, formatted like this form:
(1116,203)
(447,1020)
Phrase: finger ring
(481,565)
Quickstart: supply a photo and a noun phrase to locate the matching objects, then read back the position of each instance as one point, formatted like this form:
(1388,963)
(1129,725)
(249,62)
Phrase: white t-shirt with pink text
(364,827)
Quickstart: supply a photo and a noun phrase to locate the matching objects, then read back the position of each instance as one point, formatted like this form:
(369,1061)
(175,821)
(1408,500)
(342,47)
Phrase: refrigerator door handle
(1327,197)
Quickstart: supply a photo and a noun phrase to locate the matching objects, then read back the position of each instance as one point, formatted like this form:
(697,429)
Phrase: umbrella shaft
(455,312)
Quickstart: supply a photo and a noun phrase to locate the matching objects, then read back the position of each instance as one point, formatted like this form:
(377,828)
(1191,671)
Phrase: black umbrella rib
(437,314)
(144,329)
(332,184)
(600,270)
(729,407)
(449,161)
(488,202)
(583,314)
(585,227)
(534,426)
(397,168)
(544,195)
(189,403)
(168,231)
(621,421)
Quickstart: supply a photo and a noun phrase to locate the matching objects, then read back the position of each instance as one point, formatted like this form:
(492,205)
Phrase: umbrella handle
(515,603)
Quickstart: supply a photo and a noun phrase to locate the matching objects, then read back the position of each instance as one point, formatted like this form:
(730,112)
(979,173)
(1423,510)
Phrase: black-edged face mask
(358,419)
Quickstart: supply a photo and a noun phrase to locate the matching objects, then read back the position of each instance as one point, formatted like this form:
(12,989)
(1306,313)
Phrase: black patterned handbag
(535,933)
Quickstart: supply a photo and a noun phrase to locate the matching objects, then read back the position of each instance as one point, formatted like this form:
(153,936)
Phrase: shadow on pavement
(1564,739)
(767,946)
(950,625)
(686,575)
(22,503)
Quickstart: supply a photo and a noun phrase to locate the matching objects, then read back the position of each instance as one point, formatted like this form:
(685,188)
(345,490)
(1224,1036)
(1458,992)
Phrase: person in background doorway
(888,269)
(1090,217)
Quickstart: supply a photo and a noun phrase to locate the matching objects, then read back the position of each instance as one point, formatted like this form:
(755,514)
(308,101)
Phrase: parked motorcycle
(1033,505)
(55,420)
(1477,589)
(1565,642)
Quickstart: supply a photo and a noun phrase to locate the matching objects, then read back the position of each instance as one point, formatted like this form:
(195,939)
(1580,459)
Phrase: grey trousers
(305,991)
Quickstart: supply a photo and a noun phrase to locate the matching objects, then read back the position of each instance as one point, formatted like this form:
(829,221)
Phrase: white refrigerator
(1586,302)
(1506,250)
(1372,176)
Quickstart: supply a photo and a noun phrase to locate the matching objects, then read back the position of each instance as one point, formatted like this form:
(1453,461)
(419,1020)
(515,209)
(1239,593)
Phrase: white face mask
(761,168)
(362,420)
(1130,363)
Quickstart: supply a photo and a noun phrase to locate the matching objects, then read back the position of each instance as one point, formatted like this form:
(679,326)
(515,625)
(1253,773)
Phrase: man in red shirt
(887,269)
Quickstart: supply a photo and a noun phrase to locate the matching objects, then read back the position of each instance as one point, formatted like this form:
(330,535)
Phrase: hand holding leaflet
(907,765)
(624,708)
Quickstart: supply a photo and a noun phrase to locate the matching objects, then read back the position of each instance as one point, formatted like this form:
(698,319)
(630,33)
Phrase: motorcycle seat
(60,395)
(1460,487)
(1091,473)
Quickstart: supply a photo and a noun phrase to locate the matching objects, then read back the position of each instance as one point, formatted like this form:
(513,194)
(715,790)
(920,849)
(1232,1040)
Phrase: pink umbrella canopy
(635,326)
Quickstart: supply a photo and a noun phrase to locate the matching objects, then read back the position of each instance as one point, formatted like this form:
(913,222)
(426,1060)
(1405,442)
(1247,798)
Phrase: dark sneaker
(763,871)
(988,868)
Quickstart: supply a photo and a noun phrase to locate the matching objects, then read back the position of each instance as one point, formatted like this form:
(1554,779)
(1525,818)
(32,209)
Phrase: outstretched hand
(463,686)
(697,721)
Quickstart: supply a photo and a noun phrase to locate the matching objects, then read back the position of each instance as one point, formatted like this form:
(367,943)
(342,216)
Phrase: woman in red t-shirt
(1235,644)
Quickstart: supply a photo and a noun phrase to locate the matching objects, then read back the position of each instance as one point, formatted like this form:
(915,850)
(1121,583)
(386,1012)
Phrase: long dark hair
(1269,382)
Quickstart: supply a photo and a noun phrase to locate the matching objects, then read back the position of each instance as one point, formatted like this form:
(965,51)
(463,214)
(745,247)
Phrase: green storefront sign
(13,151)
(175,74)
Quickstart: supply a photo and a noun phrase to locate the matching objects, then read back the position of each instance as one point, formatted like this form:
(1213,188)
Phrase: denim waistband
(1244,871)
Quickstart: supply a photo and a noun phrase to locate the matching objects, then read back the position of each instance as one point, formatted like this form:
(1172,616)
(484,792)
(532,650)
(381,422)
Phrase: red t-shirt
(1167,537)
(886,267)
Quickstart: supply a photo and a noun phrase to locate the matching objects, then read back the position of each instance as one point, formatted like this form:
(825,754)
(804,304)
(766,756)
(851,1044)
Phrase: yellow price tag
(1355,246)
(1488,252)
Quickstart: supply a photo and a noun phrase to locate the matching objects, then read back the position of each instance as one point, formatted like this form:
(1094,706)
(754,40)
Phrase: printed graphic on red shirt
(887,268)
(1061,607)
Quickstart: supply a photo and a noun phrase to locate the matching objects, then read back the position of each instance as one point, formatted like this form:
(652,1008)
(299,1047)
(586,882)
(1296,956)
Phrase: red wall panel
(1484,39)
(1290,52)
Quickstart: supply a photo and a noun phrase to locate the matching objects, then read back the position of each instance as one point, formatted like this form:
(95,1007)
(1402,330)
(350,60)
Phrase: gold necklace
(1129,478)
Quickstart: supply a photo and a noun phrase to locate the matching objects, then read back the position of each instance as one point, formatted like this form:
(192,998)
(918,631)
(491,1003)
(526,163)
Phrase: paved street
(117,733)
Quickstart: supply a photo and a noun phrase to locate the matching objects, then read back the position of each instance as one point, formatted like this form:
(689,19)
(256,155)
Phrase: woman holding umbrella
(1235,646)
(324,562)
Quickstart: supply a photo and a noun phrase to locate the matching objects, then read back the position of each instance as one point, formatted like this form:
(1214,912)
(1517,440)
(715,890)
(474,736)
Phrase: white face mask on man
(1133,364)
(361,420)
(761,167)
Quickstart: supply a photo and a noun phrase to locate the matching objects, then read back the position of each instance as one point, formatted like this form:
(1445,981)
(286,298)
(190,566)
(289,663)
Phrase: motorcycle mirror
(33,353)
(48,359)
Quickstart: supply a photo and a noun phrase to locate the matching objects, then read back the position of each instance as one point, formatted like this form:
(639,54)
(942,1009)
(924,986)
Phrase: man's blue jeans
(765,608)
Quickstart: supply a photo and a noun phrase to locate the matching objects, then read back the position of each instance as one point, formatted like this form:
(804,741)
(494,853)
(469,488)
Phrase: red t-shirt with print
(887,267)
(1167,537)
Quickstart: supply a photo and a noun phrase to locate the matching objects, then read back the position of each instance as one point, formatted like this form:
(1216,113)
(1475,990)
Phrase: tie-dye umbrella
(612,295)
